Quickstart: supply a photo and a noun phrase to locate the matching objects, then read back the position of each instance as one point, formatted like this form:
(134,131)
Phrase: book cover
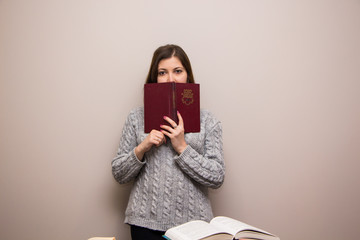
(165,99)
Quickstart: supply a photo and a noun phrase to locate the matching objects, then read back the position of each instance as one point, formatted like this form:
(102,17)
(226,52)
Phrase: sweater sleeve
(126,166)
(208,168)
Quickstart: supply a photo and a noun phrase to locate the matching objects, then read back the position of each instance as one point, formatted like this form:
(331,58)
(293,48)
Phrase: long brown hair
(165,52)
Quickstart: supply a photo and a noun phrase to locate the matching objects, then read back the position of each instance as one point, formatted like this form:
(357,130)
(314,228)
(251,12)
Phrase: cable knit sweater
(170,189)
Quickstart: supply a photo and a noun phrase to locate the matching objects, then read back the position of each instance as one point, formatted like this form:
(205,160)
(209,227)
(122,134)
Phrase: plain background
(282,76)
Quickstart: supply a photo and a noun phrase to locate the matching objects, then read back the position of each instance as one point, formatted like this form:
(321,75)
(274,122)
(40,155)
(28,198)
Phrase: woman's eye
(178,71)
(161,73)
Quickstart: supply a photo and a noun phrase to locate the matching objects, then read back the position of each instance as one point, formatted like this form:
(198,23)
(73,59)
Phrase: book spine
(174,108)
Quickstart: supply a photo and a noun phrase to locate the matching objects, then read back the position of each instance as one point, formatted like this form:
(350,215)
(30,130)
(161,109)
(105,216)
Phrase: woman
(171,170)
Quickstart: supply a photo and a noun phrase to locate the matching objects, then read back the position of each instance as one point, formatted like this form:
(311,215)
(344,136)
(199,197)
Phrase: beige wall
(282,76)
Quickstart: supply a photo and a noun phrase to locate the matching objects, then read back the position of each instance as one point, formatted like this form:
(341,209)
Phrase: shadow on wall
(119,198)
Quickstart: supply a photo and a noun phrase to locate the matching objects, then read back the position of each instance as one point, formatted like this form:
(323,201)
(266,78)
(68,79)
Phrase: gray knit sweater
(170,189)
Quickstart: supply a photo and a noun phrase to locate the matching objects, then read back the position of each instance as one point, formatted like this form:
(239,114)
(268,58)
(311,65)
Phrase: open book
(219,228)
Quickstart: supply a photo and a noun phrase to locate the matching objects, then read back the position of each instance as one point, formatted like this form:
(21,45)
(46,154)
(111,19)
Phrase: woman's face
(171,70)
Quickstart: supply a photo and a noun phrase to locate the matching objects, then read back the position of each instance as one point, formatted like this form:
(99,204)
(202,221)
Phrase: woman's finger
(181,121)
(156,137)
(158,141)
(166,133)
(167,128)
(169,120)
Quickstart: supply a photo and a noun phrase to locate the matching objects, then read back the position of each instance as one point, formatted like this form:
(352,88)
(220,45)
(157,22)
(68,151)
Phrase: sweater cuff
(184,155)
(135,158)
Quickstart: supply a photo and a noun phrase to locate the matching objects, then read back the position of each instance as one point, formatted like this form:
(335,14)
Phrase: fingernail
(164,117)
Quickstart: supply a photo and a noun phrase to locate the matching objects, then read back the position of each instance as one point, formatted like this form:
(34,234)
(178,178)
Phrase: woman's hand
(155,137)
(175,133)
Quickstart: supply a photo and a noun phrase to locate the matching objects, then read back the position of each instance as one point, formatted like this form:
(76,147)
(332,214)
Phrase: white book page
(233,226)
(192,230)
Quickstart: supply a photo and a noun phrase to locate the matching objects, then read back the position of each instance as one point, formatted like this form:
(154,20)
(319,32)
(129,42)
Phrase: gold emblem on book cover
(187,97)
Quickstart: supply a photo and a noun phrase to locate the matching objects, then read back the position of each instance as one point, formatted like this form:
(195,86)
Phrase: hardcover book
(165,99)
(219,228)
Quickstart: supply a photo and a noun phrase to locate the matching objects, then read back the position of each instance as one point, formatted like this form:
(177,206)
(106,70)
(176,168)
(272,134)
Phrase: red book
(165,99)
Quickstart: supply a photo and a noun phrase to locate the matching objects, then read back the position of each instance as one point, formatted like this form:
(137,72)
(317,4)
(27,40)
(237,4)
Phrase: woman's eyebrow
(173,68)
